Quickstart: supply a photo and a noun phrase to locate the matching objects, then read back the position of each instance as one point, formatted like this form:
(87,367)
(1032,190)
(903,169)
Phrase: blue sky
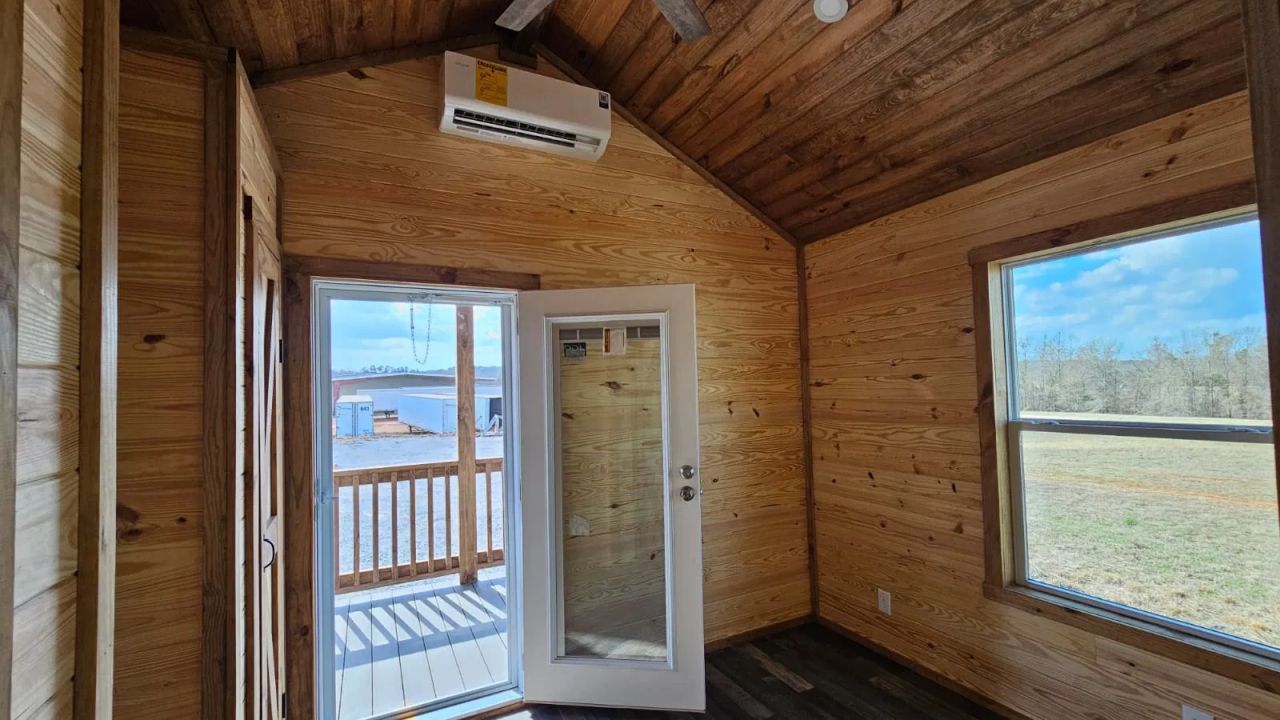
(1166,289)
(368,333)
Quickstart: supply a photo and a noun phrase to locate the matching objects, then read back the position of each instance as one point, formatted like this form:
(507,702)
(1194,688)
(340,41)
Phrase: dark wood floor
(805,673)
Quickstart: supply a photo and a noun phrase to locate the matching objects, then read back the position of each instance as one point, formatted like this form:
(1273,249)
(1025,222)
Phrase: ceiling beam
(573,74)
(685,17)
(520,13)
(263,78)
(518,46)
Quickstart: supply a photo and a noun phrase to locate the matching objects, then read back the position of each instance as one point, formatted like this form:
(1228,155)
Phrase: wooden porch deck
(408,644)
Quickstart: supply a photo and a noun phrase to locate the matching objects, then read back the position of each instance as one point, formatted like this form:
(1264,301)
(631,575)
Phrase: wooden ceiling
(821,127)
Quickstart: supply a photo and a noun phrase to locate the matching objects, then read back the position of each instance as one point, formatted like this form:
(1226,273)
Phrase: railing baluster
(355,529)
(431,520)
(395,525)
(488,511)
(448,520)
(413,523)
(377,546)
(356,479)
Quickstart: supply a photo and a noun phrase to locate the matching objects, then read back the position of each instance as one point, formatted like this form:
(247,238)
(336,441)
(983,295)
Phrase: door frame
(324,291)
(300,274)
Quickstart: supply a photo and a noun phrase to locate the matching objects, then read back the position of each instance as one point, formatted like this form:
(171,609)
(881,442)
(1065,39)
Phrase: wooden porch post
(466,382)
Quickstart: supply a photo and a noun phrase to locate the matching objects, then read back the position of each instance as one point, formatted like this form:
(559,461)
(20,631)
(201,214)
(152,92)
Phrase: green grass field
(1186,529)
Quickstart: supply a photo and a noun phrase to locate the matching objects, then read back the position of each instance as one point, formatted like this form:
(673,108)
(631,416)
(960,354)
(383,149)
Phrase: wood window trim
(300,271)
(999,582)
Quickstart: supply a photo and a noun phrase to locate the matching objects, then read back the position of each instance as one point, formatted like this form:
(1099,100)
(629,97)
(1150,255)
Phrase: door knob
(687,472)
(687,493)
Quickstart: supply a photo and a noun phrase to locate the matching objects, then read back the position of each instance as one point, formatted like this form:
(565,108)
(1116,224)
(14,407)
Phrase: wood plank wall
(368,176)
(611,459)
(895,438)
(48,356)
(162,554)
(160,485)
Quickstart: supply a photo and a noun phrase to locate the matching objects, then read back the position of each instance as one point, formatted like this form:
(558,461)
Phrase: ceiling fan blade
(520,13)
(685,17)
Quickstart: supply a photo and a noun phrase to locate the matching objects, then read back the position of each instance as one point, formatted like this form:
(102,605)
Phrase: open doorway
(414,569)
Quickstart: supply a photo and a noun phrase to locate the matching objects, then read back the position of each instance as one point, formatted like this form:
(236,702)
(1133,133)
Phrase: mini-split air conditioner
(488,101)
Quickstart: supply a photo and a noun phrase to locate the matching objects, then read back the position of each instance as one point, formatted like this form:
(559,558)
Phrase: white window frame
(1016,425)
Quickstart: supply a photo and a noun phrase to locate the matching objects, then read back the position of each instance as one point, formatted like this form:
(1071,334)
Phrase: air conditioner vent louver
(524,127)
(491,102)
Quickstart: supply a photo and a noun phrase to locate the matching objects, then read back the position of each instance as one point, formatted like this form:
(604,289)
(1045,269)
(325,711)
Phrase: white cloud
(1148,257)
(1109,273)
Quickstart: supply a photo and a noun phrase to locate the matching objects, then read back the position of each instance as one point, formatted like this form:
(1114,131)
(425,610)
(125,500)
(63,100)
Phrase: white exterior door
(611,516)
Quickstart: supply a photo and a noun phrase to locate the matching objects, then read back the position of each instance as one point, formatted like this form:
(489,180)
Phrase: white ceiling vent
(493,102)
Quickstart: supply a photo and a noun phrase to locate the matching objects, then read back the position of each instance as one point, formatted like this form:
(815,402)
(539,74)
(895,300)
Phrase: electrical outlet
(1195,713)
(884,601)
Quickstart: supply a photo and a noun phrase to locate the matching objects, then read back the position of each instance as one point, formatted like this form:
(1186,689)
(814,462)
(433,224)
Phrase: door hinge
(281,354)
(284,706)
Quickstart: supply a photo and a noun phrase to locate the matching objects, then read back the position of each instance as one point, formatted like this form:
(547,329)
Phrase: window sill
(1253,670)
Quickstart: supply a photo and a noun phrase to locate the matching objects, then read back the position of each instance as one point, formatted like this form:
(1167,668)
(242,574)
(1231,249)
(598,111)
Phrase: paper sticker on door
(491,83)
(615,341)
(573,352)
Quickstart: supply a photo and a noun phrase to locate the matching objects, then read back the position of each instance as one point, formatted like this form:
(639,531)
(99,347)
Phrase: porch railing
(415,508)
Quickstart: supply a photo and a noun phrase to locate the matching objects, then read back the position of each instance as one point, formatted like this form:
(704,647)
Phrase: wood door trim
(298,272)
(99,338)
(249,437)
(11,49)
(298,498)
(313,266)
(221,432)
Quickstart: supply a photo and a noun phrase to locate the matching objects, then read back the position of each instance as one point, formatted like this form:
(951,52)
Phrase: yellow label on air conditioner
(491,83)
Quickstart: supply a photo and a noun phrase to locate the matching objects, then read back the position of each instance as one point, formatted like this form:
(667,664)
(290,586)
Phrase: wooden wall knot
(128,523)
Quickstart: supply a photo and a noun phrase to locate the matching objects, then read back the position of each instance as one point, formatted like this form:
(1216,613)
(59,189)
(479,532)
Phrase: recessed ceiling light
(829,11)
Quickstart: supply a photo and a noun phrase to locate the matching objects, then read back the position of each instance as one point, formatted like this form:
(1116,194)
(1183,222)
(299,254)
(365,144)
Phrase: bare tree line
(1211,375)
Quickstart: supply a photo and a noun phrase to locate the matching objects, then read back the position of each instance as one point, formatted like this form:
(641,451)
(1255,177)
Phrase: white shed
(429,412)
(354,416)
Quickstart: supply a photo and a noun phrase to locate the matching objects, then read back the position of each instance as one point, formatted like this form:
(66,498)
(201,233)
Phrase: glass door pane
(610,404)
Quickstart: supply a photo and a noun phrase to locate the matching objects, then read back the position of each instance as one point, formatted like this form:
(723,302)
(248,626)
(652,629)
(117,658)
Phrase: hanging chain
(413,338)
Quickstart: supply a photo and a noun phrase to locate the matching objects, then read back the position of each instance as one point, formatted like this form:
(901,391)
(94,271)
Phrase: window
(1136,432)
